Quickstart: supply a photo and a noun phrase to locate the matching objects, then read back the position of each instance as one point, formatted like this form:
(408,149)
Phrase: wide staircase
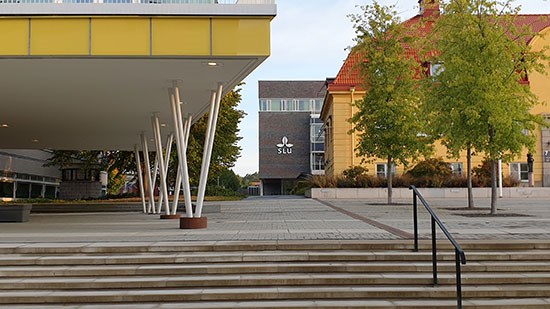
(372,274)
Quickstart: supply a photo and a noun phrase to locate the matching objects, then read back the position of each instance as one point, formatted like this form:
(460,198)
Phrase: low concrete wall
(15,212)
(209,207)
(375,193)
(76,190)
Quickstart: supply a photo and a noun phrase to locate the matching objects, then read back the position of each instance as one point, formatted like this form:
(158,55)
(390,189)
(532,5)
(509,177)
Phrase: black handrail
(460,257)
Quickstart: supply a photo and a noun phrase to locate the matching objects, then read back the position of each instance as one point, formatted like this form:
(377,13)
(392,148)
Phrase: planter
(15,212)
(403,193)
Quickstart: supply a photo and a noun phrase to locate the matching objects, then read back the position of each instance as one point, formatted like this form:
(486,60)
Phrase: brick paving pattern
(293,218)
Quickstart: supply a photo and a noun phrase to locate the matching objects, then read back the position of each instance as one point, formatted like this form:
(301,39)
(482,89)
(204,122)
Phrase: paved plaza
(293,218)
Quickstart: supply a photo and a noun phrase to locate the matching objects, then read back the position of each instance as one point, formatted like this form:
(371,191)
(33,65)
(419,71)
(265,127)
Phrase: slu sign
(285,147)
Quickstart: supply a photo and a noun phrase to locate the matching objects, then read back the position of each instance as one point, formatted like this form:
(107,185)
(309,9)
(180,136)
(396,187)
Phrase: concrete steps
(270,275)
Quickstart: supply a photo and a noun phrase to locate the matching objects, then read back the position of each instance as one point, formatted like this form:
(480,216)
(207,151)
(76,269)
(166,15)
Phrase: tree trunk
(493,187)
(390,179)
(469,178)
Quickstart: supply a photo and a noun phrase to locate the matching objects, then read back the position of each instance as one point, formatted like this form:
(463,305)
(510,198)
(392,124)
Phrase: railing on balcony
(144,1)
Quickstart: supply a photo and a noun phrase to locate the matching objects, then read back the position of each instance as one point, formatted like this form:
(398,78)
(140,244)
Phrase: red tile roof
(349,74)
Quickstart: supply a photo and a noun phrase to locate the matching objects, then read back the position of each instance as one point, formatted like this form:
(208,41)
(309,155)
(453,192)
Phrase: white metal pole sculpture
(208,145)
(140,178)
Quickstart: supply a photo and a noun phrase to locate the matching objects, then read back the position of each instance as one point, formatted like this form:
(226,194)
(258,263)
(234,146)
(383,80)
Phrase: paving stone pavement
(293,218)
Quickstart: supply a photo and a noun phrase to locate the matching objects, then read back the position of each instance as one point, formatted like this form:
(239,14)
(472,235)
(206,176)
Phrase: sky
(309,41)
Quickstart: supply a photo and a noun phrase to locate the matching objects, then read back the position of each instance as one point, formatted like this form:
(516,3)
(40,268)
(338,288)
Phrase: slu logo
(284,148)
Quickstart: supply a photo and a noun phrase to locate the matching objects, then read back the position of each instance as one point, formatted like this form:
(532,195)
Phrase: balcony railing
(143,1)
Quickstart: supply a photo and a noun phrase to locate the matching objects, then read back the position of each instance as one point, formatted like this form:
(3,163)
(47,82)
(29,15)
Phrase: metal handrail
(460,257)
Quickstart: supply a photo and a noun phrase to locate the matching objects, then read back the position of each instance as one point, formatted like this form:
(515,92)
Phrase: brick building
(290,133)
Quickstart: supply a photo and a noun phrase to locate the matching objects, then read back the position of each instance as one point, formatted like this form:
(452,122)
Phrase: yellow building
(346,88)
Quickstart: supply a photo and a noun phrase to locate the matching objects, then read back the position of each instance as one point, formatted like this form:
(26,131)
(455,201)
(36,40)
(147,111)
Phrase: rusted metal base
(170,217)
(193,223)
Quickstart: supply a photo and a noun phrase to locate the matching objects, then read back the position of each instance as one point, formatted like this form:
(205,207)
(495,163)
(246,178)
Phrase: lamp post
(530,162)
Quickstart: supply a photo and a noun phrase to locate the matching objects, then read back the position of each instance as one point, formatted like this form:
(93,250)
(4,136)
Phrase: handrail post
(458,280)
(415,220)
(434,252)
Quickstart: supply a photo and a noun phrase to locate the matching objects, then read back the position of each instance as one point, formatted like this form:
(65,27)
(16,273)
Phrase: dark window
(6,189)
(22,190)
(50,192)
(36,190)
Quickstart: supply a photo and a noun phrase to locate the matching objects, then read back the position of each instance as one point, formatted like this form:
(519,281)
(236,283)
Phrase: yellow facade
(121,36)
(68,36)
(134,36)
(176,36)
(14,36)
(340,143)
(232,37)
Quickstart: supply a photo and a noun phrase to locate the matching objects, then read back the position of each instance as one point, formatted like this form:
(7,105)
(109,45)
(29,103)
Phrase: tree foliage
(250,178)
(387,119)
(116,163)
(477,100)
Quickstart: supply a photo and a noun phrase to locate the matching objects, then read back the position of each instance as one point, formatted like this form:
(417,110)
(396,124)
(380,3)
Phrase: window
(36,190)
(23,190)
(328,129)
(304,105)
(318,147)
(457,168)
(519,171)
(318,105)
(276,105)
(6,189)
(317,133)
(264,105)
(317,161)
(381,170)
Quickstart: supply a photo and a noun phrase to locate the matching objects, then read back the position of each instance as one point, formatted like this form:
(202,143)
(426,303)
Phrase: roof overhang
(103,103)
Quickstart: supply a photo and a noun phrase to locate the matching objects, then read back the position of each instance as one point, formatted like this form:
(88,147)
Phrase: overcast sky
(308,42)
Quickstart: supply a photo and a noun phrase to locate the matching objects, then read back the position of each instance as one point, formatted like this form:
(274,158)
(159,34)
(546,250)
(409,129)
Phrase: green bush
(431,173)
(435,167)
(322,181)
(301,187)
(220,191)
(354,171)
(354,177)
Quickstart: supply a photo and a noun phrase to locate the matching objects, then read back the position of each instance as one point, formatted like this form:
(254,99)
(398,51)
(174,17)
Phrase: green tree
(476,100)
(249,178)
(116,163)
(225,151)
(228,180)
(387,119)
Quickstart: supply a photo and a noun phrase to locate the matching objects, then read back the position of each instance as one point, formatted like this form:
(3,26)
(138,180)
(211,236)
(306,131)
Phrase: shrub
(508,181)
(354,171)
(353,177)
(322,181)
(404,181)
(456,182)
(220,191)
(301,187)
(435,167)
(482,174)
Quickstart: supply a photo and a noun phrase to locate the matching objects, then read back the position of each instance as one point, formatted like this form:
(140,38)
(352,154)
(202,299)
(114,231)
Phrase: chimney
(428,8)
